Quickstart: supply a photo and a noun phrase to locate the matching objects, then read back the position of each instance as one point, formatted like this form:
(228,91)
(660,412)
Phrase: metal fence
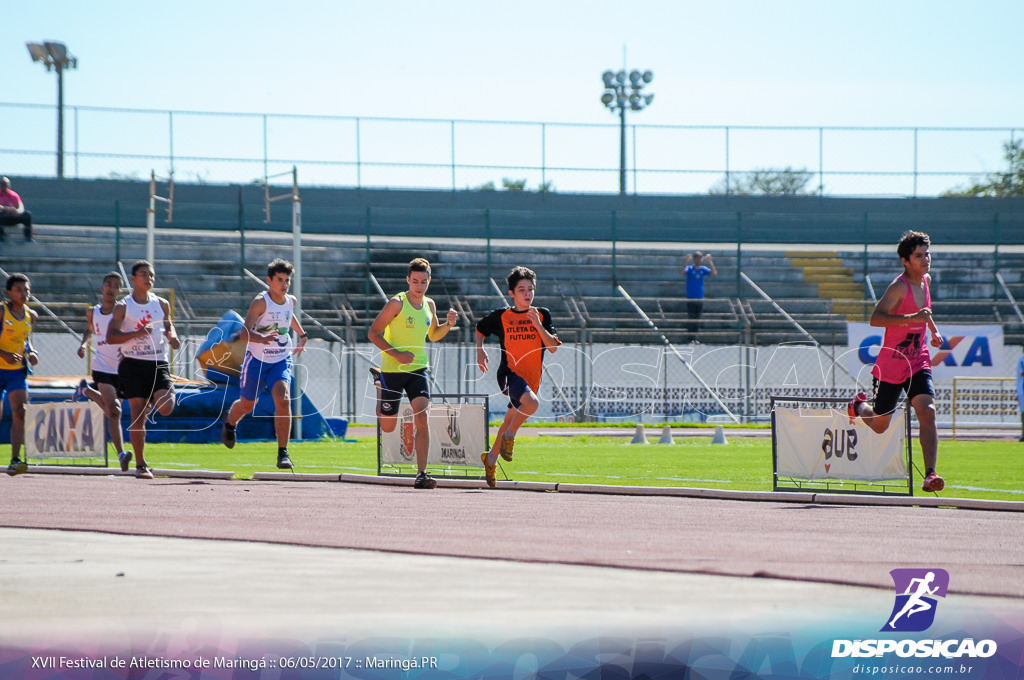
(238,148)
(585,381)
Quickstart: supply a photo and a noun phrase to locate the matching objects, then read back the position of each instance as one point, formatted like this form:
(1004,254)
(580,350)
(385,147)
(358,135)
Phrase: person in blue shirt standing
(698,265)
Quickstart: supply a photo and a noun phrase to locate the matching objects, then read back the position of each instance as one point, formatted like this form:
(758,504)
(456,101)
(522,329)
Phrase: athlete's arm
(482,360)
(256,308)
(12,357)
(439,330)
(169,331)
(549,341)
(936,335)
(884,314)
(87,335)
(32,355)
(376,335)
(299,333)
(115,336)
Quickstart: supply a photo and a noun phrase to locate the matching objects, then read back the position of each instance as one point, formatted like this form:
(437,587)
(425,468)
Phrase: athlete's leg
(163,402)
(492,455)
(878,423)
(18,400)
(388,401)
(420,406)
(137,429)
(927,433)
(282,412)
(528,405)
(111,406)
(240,408)
(886,397)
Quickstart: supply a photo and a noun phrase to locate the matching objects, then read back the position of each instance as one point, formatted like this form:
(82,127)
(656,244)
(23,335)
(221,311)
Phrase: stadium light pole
(620,95)
(55,55)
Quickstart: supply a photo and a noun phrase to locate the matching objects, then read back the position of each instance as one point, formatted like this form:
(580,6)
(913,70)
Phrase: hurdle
(672,348)
(815,449)
(458,433)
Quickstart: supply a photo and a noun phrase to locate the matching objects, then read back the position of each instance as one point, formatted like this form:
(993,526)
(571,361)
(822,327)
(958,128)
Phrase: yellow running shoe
(507,444)
(490,471)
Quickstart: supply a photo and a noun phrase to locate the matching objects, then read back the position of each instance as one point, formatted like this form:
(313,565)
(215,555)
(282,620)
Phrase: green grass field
(972,469)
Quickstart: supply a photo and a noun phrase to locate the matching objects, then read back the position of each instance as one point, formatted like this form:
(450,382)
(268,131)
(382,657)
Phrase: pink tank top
(904,351)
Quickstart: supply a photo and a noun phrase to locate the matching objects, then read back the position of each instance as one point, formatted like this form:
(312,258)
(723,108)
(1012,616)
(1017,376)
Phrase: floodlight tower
(619,96)
(56,55)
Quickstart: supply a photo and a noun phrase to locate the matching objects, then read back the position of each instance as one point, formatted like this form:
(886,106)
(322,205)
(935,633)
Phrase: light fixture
(620,96)
(54,55)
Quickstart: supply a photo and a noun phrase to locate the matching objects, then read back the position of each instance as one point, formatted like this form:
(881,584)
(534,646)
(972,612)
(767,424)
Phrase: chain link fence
(592,382)
(235,148)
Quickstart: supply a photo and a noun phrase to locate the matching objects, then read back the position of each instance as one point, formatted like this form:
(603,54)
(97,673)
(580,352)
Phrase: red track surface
(840,544)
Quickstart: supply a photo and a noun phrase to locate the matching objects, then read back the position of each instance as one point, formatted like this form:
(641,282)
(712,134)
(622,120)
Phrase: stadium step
(834,281)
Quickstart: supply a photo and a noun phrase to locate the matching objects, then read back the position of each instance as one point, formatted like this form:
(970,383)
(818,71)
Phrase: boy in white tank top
(268,358)
(142,326)
(105,362)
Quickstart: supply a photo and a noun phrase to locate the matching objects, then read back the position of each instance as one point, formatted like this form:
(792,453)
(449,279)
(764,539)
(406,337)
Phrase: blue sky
(743,62)
(913,63)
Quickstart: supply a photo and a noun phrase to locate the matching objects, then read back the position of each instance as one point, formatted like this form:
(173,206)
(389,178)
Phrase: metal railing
(234,148)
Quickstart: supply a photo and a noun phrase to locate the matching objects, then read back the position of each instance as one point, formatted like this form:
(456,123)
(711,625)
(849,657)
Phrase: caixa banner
(967,351)
(65,429)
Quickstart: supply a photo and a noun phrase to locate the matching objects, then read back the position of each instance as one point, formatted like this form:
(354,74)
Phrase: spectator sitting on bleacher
(12,211)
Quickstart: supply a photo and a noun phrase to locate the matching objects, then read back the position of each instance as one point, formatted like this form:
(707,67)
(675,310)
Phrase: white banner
(458,436)
(65,430)
(822,444)
(967,351)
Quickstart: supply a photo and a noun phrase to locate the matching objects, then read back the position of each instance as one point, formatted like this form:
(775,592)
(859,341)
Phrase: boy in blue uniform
(268,358)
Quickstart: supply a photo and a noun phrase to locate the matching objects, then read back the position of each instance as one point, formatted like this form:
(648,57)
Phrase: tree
(513,184)
(516,185)
(767,182)
(999,184)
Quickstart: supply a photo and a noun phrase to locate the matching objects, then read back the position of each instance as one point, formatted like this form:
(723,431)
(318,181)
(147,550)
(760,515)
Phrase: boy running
(400,331)
(105,363)
(141,325)
(903,363)
(16,354)
(524,332)
(268,358)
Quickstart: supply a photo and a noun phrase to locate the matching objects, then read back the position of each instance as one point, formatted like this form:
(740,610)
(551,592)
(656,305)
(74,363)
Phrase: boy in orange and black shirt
(524,332)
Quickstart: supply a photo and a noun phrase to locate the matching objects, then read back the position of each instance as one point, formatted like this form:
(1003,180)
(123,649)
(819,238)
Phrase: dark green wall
(438,214)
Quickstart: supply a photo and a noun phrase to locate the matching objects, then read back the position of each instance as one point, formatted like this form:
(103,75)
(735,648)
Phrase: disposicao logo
(916,590)
(912,612)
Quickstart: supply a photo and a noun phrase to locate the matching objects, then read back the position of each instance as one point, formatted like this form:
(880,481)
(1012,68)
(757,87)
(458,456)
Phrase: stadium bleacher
(821,288)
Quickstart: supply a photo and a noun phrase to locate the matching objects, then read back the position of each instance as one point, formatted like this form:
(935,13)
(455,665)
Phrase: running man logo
(453,427)
(914,609)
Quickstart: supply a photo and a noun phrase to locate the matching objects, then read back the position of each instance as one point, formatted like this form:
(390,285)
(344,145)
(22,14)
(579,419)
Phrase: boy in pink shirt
(903,363)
